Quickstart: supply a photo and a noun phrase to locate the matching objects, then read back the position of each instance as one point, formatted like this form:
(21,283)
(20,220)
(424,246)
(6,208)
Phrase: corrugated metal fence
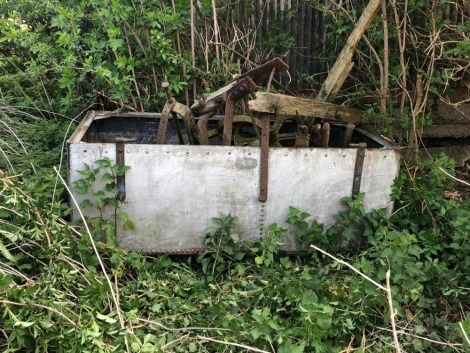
(295,30)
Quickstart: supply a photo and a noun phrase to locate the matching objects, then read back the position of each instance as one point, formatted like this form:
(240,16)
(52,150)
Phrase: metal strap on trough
(120,161)
(358,167)
(264,159)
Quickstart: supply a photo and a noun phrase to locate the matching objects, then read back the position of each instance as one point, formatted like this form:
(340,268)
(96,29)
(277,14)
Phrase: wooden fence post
(343,64)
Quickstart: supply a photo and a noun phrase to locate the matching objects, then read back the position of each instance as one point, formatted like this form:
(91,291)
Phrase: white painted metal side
(173,191)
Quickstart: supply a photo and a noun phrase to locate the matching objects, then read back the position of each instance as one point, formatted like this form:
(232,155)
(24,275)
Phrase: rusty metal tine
(358,167)
(202,127)
(164,123)
(228,120)
(243,87)
(188,120)
(271,76)
(178,128)
(255,126)
(325,135)
(348,134)
(302,138)
(166,88)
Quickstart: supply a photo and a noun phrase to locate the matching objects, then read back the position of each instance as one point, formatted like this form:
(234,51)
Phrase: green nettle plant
(101,184)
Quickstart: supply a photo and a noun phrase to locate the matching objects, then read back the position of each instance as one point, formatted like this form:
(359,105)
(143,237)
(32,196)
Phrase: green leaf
(192,347)
(135,346)
(104,163)
(255,333)
(86,204)
(289,347)
(23,324)
(129,225)
(106,318)
(80,186)
(107,177)
(120,170)
(123,216)
(6,254)
(5,281)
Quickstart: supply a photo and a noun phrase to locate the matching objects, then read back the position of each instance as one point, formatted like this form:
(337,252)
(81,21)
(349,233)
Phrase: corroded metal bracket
(164,122)
(242,88)
(302,139)
(121,161)
(264,159)
(348,132)
(181,110)
(358,167)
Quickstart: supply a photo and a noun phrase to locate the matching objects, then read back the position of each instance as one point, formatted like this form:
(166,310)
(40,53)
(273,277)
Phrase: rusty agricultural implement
(266,152)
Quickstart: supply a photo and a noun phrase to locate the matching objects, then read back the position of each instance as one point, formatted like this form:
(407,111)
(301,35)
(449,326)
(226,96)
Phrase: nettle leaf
(86,204)
(80,186)
(123,216)
(104,163)
(129,225)
(100,198)
(120,169)
(107,177)
(192,347)
(135,346)
(106,318)
(255,333)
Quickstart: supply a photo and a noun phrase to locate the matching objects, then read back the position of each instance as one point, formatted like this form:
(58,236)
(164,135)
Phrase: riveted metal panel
(174,191)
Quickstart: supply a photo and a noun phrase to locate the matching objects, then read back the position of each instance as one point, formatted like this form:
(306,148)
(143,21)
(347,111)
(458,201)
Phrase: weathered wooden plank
(213,101)
(343,64)
(216,99)
(292,106)
(263,71)
(460,154)
(445,131)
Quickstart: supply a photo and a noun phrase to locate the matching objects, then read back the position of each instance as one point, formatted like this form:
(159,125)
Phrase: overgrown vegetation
(59,294)
(64,288)
(414,54)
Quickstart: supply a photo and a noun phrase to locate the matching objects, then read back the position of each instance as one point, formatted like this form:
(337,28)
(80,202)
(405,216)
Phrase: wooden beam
(263,71)
(217,99)
(343,64)
(213,101)
(292,106)
(446,131)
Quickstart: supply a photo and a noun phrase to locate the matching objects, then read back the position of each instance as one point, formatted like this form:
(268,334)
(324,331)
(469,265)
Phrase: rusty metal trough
(173,190)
